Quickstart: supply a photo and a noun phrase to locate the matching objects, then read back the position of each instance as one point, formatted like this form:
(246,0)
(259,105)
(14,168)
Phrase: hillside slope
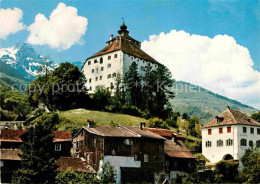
(197,101)
(79,118)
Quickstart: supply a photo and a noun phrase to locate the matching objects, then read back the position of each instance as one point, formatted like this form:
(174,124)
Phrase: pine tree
(37,165)
(132,82)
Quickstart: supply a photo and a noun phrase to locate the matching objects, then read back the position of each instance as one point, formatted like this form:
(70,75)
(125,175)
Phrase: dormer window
(219,119)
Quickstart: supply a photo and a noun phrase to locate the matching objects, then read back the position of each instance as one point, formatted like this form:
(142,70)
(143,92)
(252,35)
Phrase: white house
(121,51)
(228,135)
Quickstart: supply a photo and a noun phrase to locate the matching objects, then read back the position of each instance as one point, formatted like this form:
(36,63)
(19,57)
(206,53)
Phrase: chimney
(141,125)
(111,37)
(90,123)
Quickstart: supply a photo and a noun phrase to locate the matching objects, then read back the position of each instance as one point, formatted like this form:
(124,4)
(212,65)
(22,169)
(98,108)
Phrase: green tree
(14,103)
(256,116)
(251,166)
(101,98)
(37,164)
(71,177)
(132,83)
(109,174)
(157,123)
(226,171)
(64,89)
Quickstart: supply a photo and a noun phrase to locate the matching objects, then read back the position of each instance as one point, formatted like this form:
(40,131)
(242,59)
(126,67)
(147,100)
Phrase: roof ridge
(120,126)
(232,115)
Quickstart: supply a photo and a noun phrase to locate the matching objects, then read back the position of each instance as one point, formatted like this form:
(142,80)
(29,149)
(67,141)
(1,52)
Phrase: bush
(157,123)
(109,174)
(71,177)
(226,170)
(7,116)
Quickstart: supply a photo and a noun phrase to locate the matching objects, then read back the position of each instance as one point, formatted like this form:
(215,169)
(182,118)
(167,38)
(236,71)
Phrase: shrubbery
(157,123)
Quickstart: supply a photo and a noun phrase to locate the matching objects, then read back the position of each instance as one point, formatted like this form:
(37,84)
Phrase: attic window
(219,119)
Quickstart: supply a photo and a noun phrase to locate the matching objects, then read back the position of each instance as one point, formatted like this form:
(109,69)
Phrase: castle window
(102,68)
(92,71)
(101,60)
(95,61)
(89,62)
(219,143)
(114,74)
(57,147)
(109,76)
(258,131)
(109,57)
(251,143)
(209,132)
(243,142)
(100,78)
(145,158)
(252,130)
(115,56)
(244,129)
(258,143)
(229,142)
(220,130)
(109,65)
(208,144)
(89,80)
(228,129)
(96,78)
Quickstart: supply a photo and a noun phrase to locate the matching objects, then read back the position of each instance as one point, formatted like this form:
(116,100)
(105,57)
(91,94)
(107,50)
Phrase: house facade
(136,154)
(120,52)
(228,135)
(11,140)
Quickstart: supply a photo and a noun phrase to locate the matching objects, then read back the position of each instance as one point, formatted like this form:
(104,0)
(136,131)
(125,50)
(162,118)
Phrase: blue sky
(239,19)
(214,44)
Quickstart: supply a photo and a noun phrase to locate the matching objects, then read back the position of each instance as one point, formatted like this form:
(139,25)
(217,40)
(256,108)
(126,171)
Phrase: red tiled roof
(76,164)
(11,135)
(232,117)
(126,47)
(177,149)
(10,154)
(164,132)
(61,136)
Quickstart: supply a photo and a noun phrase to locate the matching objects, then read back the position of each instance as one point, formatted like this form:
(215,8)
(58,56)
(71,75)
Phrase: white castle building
(120,52)
(228,136)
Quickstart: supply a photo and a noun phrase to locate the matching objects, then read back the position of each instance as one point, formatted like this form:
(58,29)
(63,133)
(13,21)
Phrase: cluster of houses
(138,154)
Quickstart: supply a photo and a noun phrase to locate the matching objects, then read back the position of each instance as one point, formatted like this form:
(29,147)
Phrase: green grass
(79,118)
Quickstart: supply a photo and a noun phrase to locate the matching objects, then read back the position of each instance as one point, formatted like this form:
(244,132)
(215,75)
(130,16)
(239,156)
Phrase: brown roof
(177,149)
(110,131)
(61,136)
(143,132)
(126,47)
(10,154)
(122,131)
(11,135)
(164,132)
(232,117)
(76,164)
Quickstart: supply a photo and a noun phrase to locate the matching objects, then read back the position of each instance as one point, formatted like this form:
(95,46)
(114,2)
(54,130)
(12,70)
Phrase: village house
(136,154)
(11,140)
(178,158)
(228,135)
(121,51)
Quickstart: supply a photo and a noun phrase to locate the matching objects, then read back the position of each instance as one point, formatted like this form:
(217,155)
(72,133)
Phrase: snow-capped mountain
(25,60)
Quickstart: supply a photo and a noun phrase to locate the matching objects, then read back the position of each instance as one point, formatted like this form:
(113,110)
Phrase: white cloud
(218,64)
(10,21)
(63,29)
